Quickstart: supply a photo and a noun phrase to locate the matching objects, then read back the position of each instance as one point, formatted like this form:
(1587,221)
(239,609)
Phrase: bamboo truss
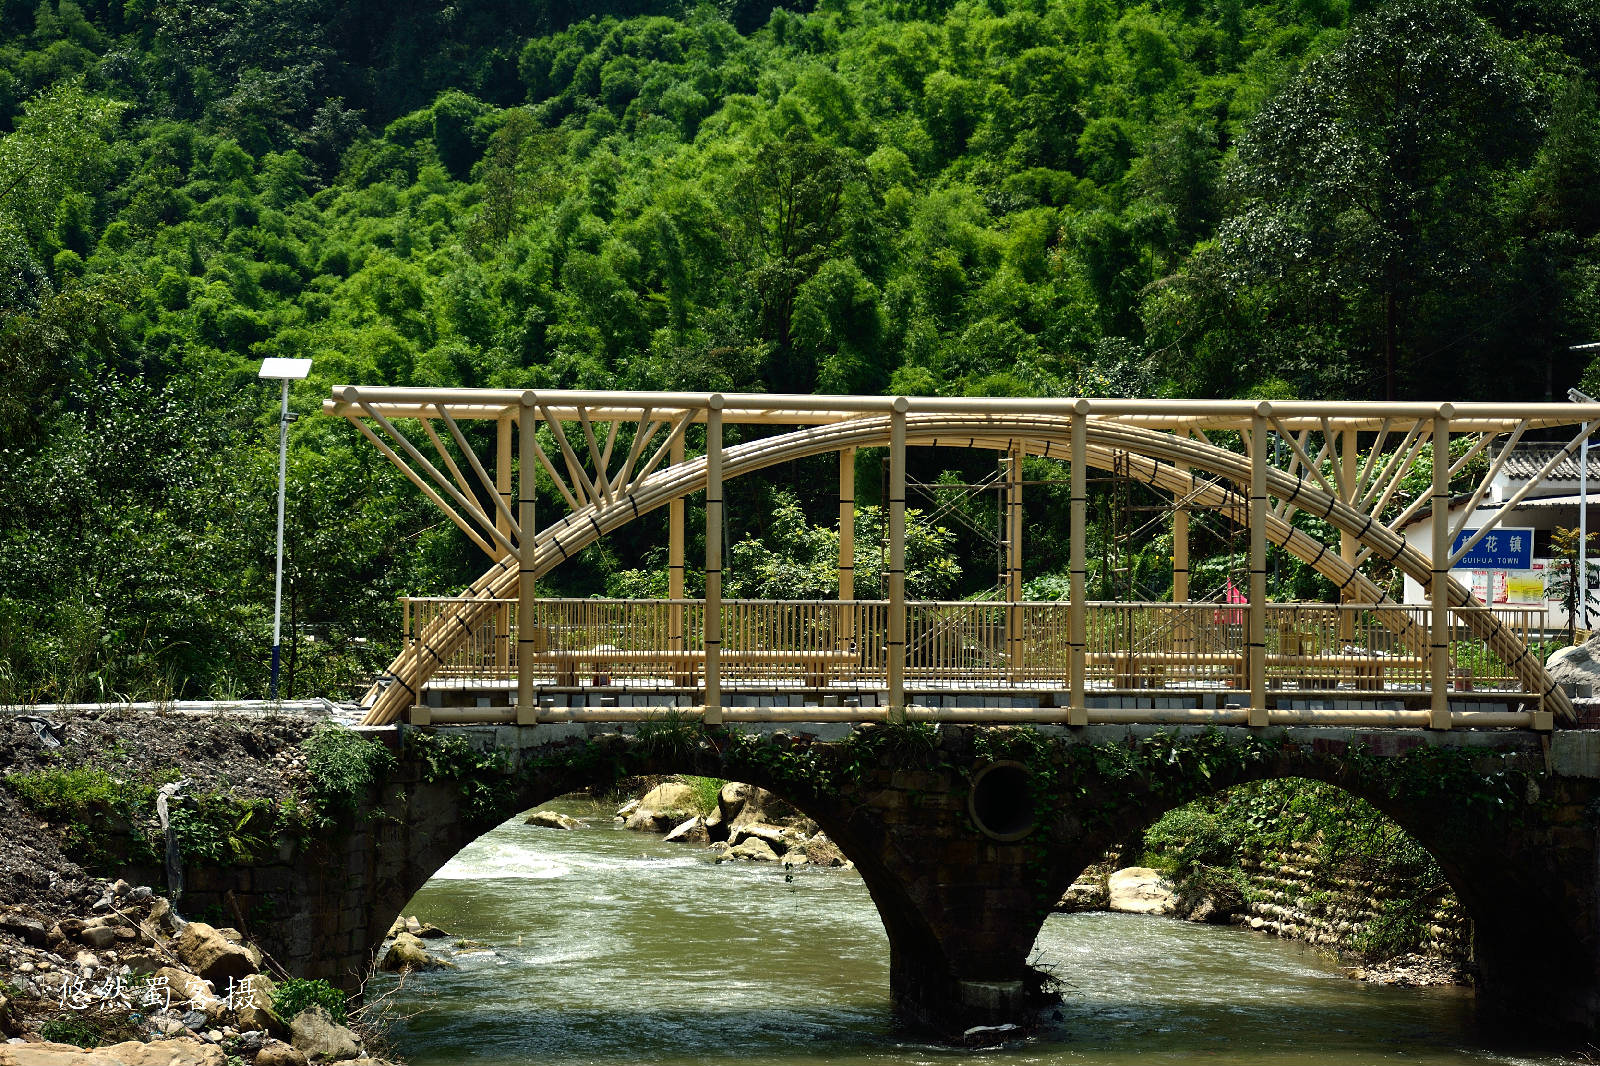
(614,456)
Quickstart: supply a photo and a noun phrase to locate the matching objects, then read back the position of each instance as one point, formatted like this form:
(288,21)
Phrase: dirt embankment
(90,960)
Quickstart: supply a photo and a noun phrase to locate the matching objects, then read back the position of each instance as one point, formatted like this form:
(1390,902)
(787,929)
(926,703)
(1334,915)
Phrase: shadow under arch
(1165,461)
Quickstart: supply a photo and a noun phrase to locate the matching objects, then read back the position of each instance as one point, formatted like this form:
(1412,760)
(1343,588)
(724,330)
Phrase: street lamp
(285,370)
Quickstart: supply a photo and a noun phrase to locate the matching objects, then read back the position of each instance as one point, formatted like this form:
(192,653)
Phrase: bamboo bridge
(498,652)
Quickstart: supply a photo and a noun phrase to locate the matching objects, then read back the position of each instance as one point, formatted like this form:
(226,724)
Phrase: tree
(1367,186)
(1563,583)
(789,204)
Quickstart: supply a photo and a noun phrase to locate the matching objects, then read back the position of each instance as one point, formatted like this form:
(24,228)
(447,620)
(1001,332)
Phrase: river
(606,946)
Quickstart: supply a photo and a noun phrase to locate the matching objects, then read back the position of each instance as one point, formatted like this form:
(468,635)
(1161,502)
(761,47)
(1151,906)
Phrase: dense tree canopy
(1040,197)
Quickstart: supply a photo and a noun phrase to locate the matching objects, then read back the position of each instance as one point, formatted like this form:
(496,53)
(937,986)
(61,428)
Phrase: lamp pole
(285,370)
(1582,599)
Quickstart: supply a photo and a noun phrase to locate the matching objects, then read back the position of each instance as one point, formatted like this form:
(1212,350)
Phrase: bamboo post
(1348,545)
(502,488)
(675,635)
(1078,709)
(897,559)
(1256,629)
(713,612)
(1439,615)
(1014,563)
(847,541)
(1180,555)
(527,705)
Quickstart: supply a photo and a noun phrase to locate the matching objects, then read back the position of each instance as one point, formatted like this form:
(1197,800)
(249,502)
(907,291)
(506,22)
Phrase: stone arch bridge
(966,834)
(973,758)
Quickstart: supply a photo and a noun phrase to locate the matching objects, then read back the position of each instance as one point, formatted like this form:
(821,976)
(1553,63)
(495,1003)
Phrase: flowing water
(607,946)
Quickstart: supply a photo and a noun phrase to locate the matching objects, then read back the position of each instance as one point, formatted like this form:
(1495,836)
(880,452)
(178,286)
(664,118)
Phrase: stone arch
(443,825)
(1524,937)
(1164,460)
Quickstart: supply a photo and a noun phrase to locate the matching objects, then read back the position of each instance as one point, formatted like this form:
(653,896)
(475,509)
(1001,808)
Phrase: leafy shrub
(343,766)
(79,802)
(1397,930)
(73,1029)
(480,775)
(296,994)
(217,828)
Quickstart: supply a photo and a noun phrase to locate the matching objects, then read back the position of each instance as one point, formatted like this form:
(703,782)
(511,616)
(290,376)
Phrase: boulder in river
(820,851)
(662,807)
(407,954)
(780,840)
(1139,890)
(691,831)
(753,848)
(552,820)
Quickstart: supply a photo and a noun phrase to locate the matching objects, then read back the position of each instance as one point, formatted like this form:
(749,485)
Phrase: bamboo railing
(958,645)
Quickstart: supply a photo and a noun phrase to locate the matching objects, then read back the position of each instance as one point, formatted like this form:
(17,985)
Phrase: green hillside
(1195,197)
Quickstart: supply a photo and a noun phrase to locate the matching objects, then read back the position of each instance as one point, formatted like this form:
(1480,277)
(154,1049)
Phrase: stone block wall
(1293,895)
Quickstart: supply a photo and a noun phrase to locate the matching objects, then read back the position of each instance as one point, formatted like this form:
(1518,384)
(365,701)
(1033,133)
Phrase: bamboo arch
(1164,460)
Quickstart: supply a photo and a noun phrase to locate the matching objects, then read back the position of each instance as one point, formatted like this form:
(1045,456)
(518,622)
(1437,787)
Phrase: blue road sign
(1500,549)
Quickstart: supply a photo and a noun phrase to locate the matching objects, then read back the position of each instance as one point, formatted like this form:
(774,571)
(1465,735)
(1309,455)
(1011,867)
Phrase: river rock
(128,1053)
(780,840)
(211,954)
(429,931)
(753,848)
(188,989)
(662,808)
(692,831)
(732,799)
(9,1026)
(1139,890)
(321,1038)
(257,1011)
(1083,896)
(820,851)
(277,1053)
(405,955)
(751,805)
(552,820)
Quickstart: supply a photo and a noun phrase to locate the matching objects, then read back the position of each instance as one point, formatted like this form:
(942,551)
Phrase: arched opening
(597,943)
(1262,905)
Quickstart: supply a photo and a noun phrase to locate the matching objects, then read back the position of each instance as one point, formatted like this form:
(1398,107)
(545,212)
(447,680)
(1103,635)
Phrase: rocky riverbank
(126,980)
(98,970)
(734,821)
(1283,896)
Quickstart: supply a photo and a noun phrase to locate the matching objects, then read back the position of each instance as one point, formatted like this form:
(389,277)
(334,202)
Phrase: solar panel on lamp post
(285,370)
